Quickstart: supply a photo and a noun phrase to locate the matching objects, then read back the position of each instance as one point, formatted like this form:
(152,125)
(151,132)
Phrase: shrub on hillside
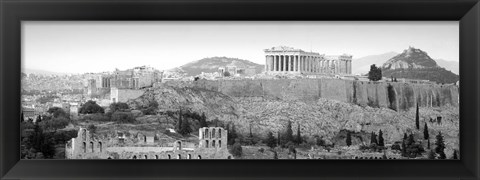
(91,107)
(123,117)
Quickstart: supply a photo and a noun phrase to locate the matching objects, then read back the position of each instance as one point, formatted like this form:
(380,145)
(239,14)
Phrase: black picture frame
(15,11)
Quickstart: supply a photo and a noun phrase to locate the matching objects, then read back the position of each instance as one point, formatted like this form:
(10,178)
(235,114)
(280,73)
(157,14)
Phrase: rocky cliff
(397,96)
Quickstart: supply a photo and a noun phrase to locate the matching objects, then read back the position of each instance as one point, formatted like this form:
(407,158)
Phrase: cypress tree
(278,139)
(440,144)
(381,141)
(349,139)
(185,129)
(428,144)
(275,155)
(411,140)
(299,136)
(178,127)
(425,131)
(271,141)
(404,149)
(289,133)
(22,118)
(39,119)
(373,138)
(405,136)
(455,156)
(417,119)
(203,121)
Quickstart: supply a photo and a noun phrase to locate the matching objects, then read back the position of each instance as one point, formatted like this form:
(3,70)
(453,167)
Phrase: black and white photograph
(168,90)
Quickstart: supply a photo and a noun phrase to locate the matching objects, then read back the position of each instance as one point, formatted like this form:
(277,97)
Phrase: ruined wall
(123,95)
(375,94)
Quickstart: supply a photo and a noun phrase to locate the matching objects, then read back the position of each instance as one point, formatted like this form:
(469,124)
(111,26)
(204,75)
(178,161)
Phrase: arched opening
(156,156)
(219,133)
(199,157)
(84,134)
(219,143)
(375,158)
(134,157)
(229,157)
(179,156)
(84,147)
(206,143)
(100,146)
(206,133)
(371,157)
(169,157)
(144,138)
(213,133)
(109,158)
(213,143)
(146,157)
(179,145)
(189,156)
(92,147)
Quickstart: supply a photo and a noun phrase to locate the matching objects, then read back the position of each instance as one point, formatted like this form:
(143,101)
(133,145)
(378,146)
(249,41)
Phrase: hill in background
(211,64)
(414,63)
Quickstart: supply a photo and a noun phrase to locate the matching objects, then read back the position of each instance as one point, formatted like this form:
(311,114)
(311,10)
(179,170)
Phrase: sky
(97,46)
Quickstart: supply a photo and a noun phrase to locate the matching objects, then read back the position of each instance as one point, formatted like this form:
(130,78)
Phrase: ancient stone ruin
(147,145)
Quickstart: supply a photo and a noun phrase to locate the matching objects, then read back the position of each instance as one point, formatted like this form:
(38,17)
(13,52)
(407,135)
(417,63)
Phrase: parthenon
(283,59)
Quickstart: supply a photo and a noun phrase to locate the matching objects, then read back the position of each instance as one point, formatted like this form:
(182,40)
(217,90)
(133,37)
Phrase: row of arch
(372,158)
(213,145)
(212,134)
(178,156)
(92,147)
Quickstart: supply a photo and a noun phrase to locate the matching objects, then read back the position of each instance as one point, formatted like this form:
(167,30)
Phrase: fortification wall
(400,96)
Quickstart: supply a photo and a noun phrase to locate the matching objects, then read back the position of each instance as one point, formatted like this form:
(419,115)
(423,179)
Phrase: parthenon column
(288,63)
(294,63)
(274,63)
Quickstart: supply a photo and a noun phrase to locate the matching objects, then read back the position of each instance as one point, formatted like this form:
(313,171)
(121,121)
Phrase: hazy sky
(78,47)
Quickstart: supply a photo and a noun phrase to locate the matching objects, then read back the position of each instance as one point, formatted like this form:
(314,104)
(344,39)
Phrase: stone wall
(123,95)
(374,94)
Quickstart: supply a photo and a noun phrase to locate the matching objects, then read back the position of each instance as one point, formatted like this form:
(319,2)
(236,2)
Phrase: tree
(298,140)
(232,134)
(151,109)
(373,138)
(123,117)
(22,118)
(431,154)
(428,143)
(226,74)
(455,156)
(442,155)
(410,140)
(425,132)
(92,128)
(405,136)
(178,127)
(271,141)
(404,149)
(288,133)
(349,139)
(57,112)
(292,150)
(375,73)
(417,119)
(53,124)
(203,121)
(118,106)
(236,150)
(279,139)
(381,141)
(440,144)
(275,155)
(185,129)
(91,107)
(395,79)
